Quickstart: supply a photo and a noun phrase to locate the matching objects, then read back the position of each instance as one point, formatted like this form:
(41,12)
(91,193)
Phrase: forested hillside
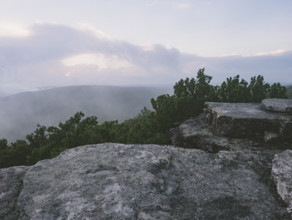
(20,114)
(150,126)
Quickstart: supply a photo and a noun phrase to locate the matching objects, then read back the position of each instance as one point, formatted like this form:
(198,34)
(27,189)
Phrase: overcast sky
(45,43)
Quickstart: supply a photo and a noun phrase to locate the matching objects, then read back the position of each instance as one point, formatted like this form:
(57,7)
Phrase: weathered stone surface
(196,133)
(248,120)
(277,105)
(282,175)
(10,188)
(115,181)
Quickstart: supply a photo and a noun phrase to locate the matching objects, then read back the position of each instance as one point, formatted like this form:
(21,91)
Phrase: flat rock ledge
(278,105)
(116,181)
(235,126)
(248,120)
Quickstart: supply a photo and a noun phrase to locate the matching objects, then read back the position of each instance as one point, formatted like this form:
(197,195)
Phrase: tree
(278,91)
(258,89)
(165,107)
(38,138)
(236,90)
(187,101)
(233,90)
(289,92)
(3,144)
(191,94)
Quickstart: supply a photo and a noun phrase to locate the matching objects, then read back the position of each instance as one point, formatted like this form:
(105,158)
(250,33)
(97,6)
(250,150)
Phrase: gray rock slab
(277,105)
(282,175)
(196,133)
(116,181)
(248,120)
(10,187)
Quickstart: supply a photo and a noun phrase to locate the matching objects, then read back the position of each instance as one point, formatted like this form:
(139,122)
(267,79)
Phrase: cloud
(56,55)
(95,31)
(183,5)
(101,60)
(151,4)
(277,52)
(8,29)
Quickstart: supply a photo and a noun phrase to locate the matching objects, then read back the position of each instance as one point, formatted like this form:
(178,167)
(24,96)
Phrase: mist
(21,113)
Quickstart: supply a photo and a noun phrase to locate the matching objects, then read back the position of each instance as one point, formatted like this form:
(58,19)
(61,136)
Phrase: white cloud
(151,4)
(88,27)
(147,47)
(8,29)
(183,5)
(103,61)
(272,53)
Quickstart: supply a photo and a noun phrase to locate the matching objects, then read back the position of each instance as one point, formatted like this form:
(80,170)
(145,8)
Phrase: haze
(110,42)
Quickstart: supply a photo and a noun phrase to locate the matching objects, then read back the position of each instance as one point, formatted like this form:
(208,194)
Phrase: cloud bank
(56,55)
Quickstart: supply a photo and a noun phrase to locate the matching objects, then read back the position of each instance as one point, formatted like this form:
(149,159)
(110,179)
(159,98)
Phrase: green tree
(3,144)
(238,90)
(289,92)
(165,107)
(143,129)
(233,90)
(258,89)
(276,90)
(15,154)
(38,138)
(187,101)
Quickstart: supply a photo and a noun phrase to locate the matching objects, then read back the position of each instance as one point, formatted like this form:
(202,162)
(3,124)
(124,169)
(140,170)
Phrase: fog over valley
(20,113)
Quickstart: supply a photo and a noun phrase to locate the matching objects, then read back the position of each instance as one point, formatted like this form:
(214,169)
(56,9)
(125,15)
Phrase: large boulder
(282,175)
(248,120)
(116,181)
(235,126)
(196,133)
(277,105)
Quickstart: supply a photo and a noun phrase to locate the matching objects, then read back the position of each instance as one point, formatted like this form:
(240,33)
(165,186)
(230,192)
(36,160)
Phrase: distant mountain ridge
(20,113)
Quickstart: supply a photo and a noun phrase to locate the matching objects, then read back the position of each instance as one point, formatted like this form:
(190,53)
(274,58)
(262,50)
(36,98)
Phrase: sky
(50,43)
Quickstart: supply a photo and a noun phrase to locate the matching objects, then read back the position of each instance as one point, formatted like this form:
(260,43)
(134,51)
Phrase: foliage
(289,92)
(236,90)
(149,127)
(187,101)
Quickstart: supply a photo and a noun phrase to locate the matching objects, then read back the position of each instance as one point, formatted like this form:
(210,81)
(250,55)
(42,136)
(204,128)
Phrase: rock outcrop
(10,187)
(282,175)
(278,105)
(115,181)
(248,127)
(240,169)
(233,126)
(248,120)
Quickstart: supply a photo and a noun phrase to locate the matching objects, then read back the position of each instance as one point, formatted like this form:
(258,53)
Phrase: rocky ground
(226,178)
